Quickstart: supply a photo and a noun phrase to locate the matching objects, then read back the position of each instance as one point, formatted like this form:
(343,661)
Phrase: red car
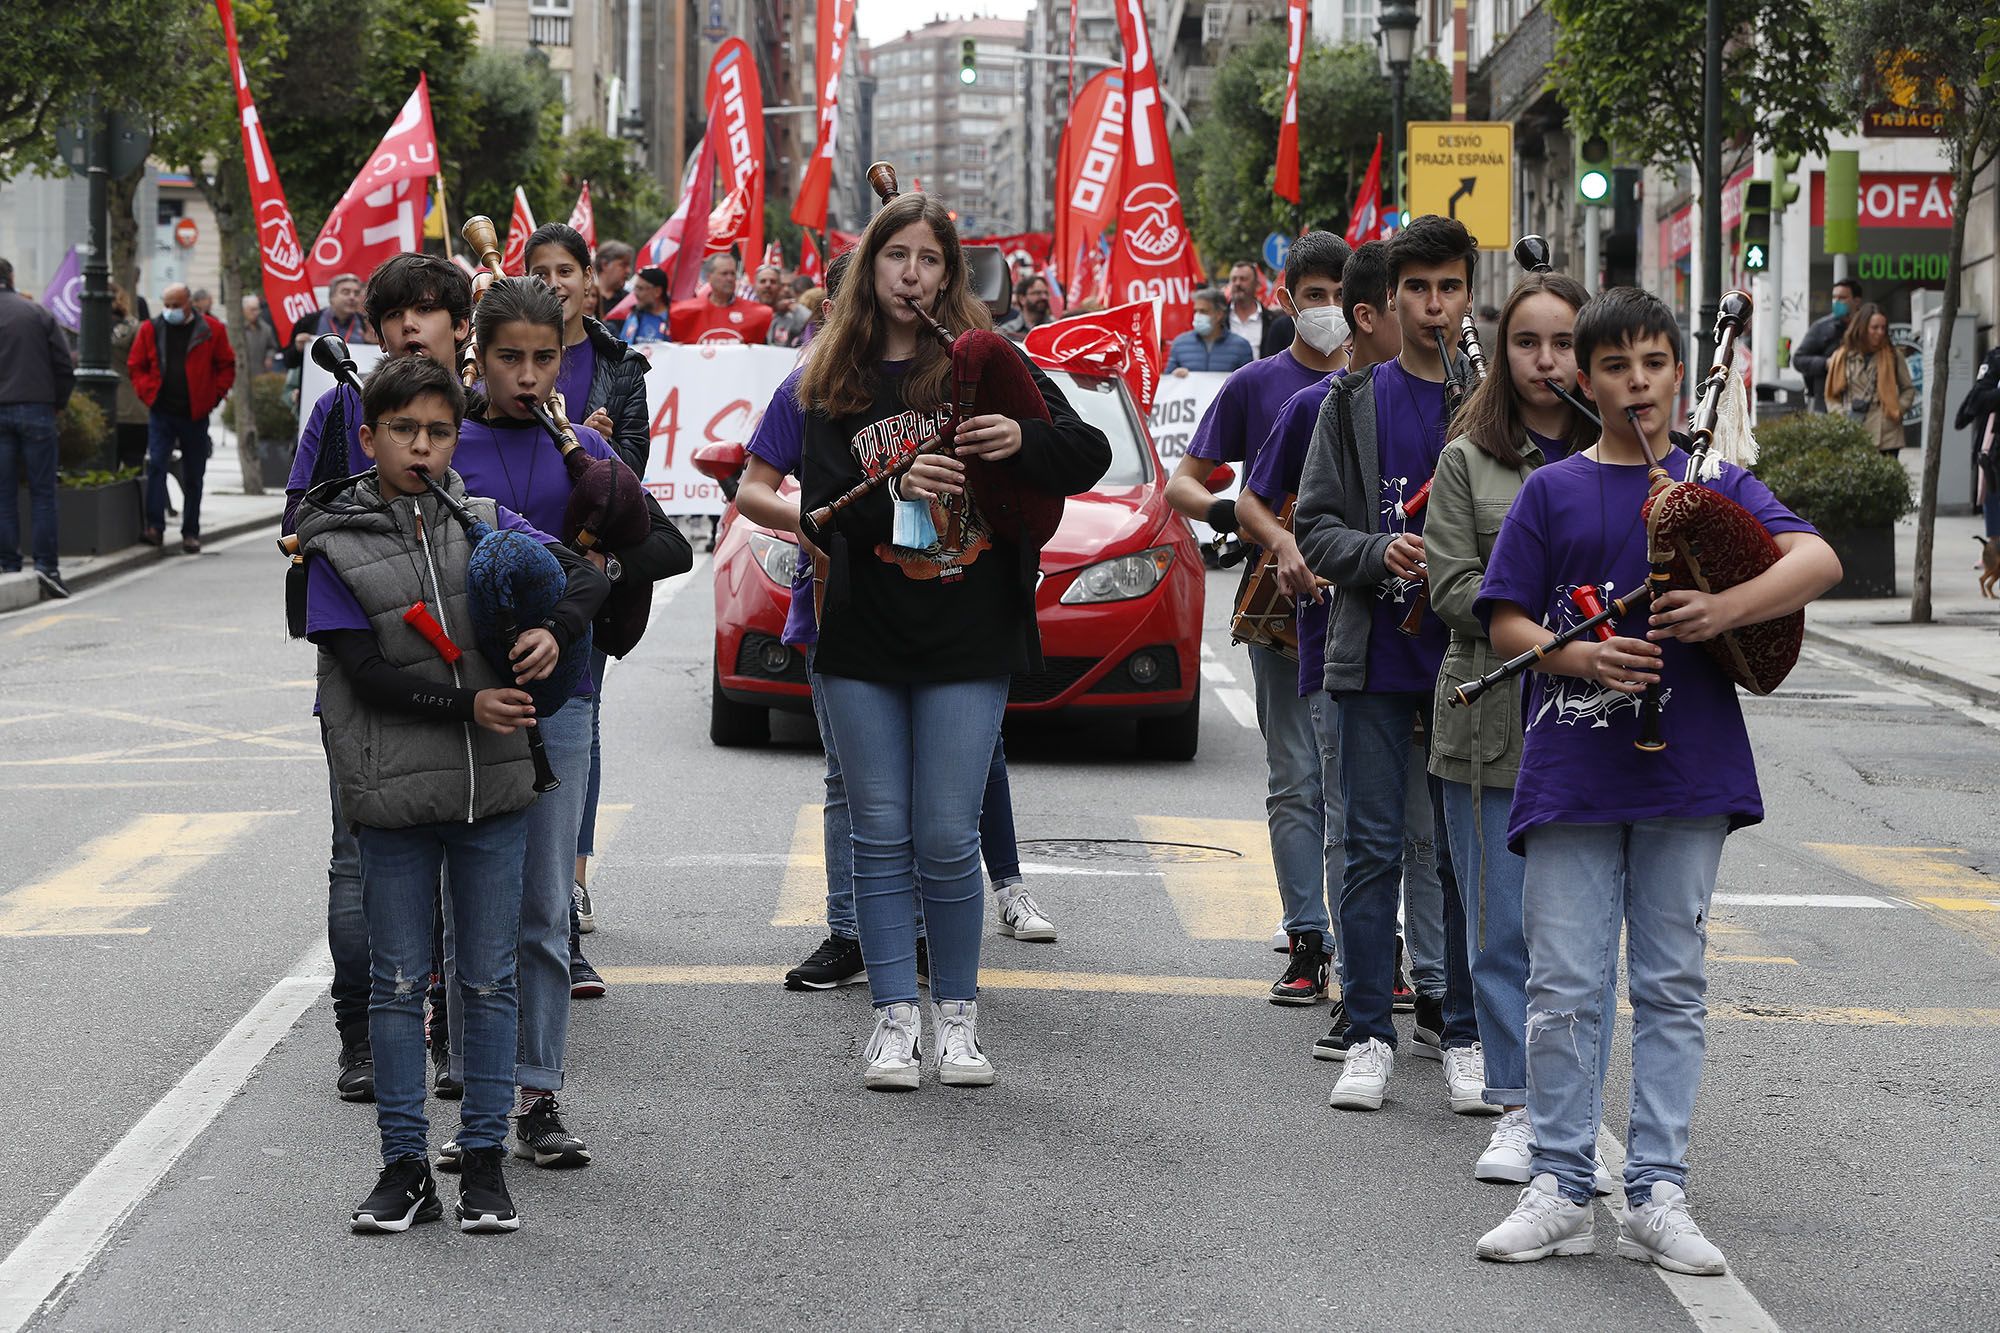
(1120,601)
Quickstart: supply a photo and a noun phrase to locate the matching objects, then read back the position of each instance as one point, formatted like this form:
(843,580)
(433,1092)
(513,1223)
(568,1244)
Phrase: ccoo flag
(1286,184)
(1152,257)
(287,292)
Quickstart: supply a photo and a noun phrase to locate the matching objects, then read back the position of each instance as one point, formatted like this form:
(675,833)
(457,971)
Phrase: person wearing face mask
(1867,379)
(1810,357)
(182,366)
(1209,345)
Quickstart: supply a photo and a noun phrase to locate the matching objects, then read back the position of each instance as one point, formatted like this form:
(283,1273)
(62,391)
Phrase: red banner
(691,241)
(839,241)
(287,293)
(809,268)
(1364,224)
(1093,142)
(1123,342)
(1036,245)
(514,254)
(836,23)
(1153,256)
(739,149)
(1286,185)
(382,213)
(584,218)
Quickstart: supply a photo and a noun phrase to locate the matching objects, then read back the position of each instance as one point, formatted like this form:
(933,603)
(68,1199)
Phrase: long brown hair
(1854,341)
(1491,417)
(840,375)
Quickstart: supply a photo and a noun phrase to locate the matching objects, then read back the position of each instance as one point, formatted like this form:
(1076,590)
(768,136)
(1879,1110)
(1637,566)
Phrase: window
(930,82)
(972,152)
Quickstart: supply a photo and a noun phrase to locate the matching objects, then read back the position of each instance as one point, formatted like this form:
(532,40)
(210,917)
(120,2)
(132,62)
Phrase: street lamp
(1398,34)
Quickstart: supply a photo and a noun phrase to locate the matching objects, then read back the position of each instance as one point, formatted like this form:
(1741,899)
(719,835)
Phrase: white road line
(1239,706)
(1206,651)
(1983,714)
(666,590)
(1715,1304)
(1217,671)
(65,1241)
(1803,900)
(782,860)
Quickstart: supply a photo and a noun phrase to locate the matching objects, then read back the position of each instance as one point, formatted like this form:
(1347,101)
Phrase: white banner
(1178,407)
(695,395)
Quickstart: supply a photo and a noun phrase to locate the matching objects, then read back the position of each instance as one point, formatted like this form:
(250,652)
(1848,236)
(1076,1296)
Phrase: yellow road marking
(49,621)
(1779,959)
(802,891)
(1232,898)
(1956,895)
(1962,904)
(121,872)
(610,818)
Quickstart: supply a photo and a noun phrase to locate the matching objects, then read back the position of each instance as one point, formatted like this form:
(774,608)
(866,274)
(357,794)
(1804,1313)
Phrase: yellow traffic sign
(1465,170)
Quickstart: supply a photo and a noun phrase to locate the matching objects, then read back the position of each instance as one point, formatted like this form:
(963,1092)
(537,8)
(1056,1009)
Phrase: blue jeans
(1375,760)
(586,835)
(916,763)
(996,829)
(346,921)
(28,441)
(549,871)
(163,432)
(1655,878)
(1294,800)
(399,878)
(1423,896)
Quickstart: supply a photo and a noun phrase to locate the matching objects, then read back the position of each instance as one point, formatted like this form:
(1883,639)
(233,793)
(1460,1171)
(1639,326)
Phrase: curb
(120,562)
(1902,665)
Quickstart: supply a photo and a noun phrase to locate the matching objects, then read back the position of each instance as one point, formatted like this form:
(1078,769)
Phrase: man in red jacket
(721,316)
(181,367)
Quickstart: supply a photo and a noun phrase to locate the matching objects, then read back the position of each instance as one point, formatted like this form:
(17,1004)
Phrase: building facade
(938,131)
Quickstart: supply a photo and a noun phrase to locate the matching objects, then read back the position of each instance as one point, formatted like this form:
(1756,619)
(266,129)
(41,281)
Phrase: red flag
(1365,224)
(286,290)
(809,268)
(1267,295)
(1287,183)
(514,255)
(839,241)
(584,218)
(774,257)
(693,237)
(1123,342)
(836,22)
(1153,256)
(739,149)
(382,213)
(1093,144)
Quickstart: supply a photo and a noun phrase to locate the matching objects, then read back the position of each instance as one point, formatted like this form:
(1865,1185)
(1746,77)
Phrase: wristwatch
(612,569)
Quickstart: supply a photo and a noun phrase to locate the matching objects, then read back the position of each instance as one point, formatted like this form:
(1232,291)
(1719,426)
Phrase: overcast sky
(880,20)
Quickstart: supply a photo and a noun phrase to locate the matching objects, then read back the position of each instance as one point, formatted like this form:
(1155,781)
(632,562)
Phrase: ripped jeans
(1655,878)
(399,889)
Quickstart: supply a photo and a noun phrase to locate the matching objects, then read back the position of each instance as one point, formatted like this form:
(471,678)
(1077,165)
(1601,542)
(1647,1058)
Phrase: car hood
(1100,524)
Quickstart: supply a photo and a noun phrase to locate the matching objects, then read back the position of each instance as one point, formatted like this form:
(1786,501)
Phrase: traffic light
(1401,203)
(1593,170)
(1784,190)
(1754,228)
(968,61)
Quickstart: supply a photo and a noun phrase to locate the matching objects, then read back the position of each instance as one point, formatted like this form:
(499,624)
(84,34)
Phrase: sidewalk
(225,512)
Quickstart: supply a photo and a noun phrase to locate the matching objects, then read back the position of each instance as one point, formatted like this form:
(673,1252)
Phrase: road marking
(1233,898)
(1776,959)
(1956,895)
(50,621)
(1719,1304)
(101,786)
(1801,900)
(1206,651)
(667,589)
(610,819)
(73,1233)
(1213,670)
(1239,706)
(802,890)
(1985,716)
(121,872)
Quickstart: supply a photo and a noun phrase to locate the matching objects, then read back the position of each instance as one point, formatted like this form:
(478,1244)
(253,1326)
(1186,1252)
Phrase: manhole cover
(1125,849)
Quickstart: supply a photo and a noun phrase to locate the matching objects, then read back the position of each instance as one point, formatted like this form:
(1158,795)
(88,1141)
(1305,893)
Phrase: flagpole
(444,212)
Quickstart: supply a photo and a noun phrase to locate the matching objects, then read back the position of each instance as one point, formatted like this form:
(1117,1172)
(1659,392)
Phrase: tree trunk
(123,193)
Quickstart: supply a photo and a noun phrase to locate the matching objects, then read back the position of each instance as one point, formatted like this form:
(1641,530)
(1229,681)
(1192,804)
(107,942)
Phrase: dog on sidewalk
(1989,564)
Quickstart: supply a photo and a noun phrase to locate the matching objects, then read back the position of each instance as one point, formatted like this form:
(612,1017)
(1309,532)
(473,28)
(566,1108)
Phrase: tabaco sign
(1909,102)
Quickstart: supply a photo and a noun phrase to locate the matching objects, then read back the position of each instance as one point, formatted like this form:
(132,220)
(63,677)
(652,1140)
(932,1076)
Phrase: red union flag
(514,255)
(739,146)
(1286,186)
(584,218)
(382,213)
(286,289)
(1153,256)
(808,258)
(836,22)
(1365,222)
(1124,341)
(1093,143)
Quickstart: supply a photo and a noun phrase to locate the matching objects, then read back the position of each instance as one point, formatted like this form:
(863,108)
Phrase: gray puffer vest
(397,770)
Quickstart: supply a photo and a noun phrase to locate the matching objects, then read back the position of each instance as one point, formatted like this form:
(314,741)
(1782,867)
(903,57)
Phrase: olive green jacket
(1470,496)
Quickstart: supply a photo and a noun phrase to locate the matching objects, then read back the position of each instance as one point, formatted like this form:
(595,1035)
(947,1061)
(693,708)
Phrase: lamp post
(1398,34)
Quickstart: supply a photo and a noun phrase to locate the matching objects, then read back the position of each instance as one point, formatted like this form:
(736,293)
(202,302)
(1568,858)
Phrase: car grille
(1057,675)
(1119,679)
(750,660)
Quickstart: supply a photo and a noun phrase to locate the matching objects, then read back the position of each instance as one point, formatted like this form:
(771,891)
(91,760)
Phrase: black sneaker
(837,962)
(1305,979)
(404,1193)
(584,983)
(53,588)
(539,1136)
(483,1201)
(438,1038)
(1427,1037)
(1402,997)
(923,961)
(1333,1046)
(451,1157)
(357,1072)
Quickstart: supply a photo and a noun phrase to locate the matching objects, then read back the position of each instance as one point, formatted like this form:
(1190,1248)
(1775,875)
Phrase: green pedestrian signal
(968,61)
(1753,236)
(1755,258)
(1593,170)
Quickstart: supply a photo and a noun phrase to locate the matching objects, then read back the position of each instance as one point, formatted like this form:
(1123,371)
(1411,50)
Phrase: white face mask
(175,314)
(1323,327)
(1203,326)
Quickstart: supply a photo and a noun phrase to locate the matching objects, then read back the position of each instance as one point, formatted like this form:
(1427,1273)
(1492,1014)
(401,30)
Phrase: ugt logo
(1148,227)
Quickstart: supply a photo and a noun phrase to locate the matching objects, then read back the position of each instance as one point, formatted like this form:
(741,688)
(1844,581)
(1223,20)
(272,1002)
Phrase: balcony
(548,29)
(1517,70)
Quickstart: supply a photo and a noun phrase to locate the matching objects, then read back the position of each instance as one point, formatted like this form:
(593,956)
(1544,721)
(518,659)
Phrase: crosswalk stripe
(1954,894)
(1239,706)
(1228,898)
(121,872)
(802,890)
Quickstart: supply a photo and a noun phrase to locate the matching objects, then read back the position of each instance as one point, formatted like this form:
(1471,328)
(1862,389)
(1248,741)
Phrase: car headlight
(777,557)
(1121,579)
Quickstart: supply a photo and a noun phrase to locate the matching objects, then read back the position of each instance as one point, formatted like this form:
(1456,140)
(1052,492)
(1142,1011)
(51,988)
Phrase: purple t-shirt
(307,456)
(1554,448)
(1273,476)
(780,441)
(1578,522)
(579,363)
(1409,436)
(1239,420)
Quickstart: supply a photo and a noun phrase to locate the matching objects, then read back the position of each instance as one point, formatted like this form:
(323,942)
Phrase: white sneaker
(1281,940)
(1365,1080)
(1465,1081)
(1510,1152)
(1661,1232)
(892,1050)
(586,913)
(960,1062)
(1022,917)
(1542,1223)
(1606,1184)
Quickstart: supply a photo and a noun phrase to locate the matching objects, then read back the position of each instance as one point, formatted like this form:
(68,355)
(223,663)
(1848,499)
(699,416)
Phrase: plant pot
(90,520)
(1867,561)
(274,459)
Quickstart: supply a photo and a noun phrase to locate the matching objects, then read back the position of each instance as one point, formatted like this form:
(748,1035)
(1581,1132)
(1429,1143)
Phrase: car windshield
(1099,402)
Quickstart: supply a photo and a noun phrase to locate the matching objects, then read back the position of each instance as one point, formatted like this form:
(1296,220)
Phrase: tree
(510,134)
(623,195)
(1631,70)
(56,52)
(1949,49)
(1227,164)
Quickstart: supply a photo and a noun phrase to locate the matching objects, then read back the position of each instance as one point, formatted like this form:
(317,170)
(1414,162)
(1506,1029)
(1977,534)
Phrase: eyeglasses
(404,430)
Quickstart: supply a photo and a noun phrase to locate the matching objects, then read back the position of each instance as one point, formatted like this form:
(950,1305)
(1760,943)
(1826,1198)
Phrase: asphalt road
(1158,1151)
